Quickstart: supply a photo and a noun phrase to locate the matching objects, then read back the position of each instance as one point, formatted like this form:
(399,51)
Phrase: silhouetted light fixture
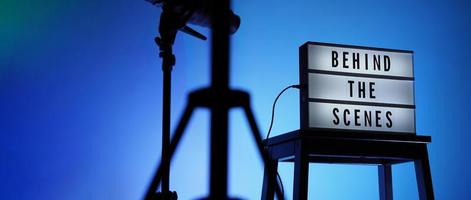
(196,12)
(219,98)
(174,17)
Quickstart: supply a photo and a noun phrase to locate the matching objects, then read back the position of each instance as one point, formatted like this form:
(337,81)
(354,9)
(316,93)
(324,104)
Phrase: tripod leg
(261,149)
(173,145)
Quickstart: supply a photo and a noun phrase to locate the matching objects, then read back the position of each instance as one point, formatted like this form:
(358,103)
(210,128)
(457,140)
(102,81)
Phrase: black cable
(281,183)
(274,104)
(271,125)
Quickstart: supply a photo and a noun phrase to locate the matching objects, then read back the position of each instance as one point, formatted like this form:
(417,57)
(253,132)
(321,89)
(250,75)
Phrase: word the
(362,89)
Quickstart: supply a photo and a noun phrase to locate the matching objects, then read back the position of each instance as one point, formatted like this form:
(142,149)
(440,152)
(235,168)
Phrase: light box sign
(355,88)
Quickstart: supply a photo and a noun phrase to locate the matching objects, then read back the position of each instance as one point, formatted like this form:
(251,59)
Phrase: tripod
(219,98)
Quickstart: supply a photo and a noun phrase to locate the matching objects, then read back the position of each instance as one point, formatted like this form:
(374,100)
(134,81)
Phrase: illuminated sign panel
(348,88)
(356,88)
(358,117)
(345,59)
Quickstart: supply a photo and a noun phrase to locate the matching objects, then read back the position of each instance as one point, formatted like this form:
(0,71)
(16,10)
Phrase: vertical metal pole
(385,182)
(166,126)
(220,44)
(219,112)
(301,172)
(168,32)
(219,154)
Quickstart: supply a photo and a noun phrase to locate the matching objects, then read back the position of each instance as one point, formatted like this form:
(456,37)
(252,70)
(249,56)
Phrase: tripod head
(172,19)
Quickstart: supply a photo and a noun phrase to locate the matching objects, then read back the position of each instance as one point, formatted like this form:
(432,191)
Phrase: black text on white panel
(356,88)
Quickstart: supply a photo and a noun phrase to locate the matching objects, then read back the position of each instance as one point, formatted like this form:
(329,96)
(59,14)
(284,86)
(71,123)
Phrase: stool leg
(269,181)
(424,176)
(385,182)
(301,173)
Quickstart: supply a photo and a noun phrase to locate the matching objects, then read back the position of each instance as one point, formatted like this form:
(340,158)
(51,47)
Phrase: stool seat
(320,146)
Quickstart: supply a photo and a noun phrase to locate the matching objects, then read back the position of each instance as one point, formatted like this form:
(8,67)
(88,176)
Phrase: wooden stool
(305,146)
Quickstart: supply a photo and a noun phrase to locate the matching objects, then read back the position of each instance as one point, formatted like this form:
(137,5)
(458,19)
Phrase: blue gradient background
(80,95)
